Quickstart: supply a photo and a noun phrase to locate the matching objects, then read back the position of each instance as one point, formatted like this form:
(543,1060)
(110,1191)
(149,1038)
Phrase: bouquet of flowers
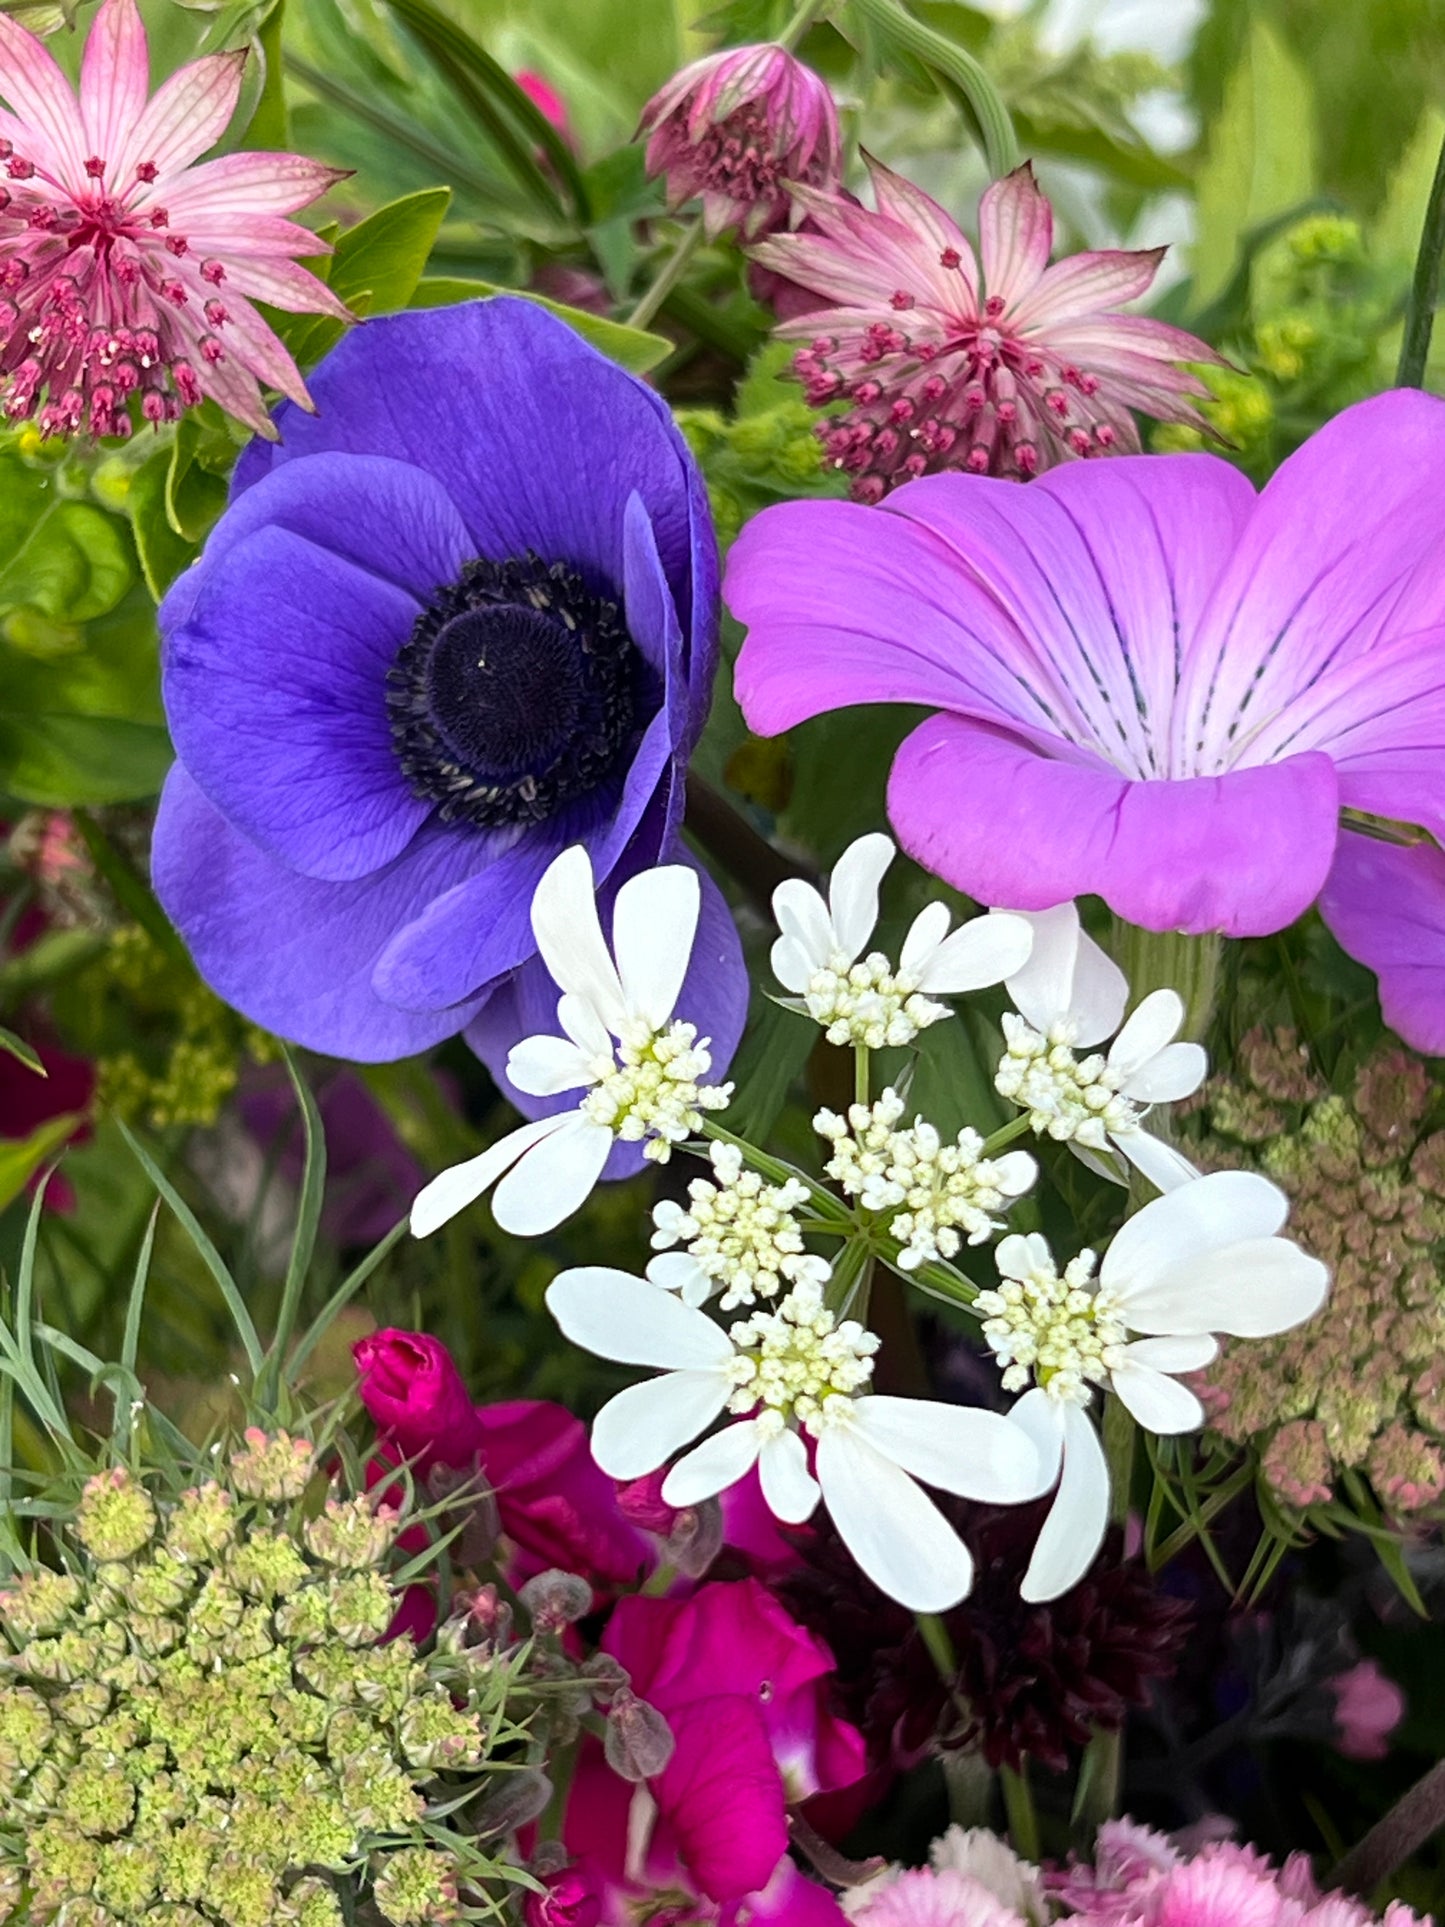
(722,953)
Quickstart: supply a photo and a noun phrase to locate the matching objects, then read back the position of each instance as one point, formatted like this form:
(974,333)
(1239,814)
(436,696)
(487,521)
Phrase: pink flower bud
(1368,1708)
(411,1387)
(572,1898)
(740,128)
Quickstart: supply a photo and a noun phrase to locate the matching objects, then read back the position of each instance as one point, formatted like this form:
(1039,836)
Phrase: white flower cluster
(1065,1097)
(940,1194)
(867,1004)
(1066,1332)
(739,1232)
(653,1092)
(799,1363)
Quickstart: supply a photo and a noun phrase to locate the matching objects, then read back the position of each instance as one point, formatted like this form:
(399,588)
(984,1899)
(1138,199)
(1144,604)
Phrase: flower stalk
(955,65)
(1172,960)
(1425,287)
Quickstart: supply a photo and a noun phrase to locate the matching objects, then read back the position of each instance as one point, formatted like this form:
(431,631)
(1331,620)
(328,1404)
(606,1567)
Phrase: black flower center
(518,691)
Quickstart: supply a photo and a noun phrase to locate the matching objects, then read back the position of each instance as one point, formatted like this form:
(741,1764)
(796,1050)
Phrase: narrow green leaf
(303,1244)
(343,1295)
(270,124)
(163,553)
(17,1047)
(132,892)
(135,1304)
(21,1158)
(632,348)
(210,1257)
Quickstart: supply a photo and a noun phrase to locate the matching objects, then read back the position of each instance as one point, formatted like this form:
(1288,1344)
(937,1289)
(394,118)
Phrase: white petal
(979,953)
(1042,988)
(714,1465)
(1165,1168)
(564,922)
(1250,1290)
(1100,993)
(555,1178)
(1021,1254)
(543,1066)
(654,923)
(1179,1352)
(958,1448)
(614,1315)
(641,1428)
(1203,1216)
(1160,1403)
(584,1027)
(890,1525)
(925,934)
(1174,1072)
(803,916)
(1040,1418)
(853,891)
(1015,1172)
(792,964)
(679,1271)
(452,1191)
(1074,1529)
(1154,1024)
(789,1487)
(1103,1164)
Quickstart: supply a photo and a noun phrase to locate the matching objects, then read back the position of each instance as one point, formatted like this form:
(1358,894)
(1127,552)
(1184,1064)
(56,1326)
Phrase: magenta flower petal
(1386,905)
(186,115)
(1244,854)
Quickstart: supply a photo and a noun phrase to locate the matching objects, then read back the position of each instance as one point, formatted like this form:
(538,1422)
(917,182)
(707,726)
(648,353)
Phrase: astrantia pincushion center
(518,692)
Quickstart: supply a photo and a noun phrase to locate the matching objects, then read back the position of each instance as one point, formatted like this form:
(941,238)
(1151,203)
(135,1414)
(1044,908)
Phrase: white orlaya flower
(862,999)
(1203,1259)
(637,1069)
(1070,996)
(788,1369)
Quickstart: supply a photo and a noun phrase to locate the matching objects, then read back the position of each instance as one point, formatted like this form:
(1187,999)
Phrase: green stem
(803,17)
(1425,288)
(1023,1820)
(860,1075)
(1005,1134)
(1169,960)
(955,66)
(672,272)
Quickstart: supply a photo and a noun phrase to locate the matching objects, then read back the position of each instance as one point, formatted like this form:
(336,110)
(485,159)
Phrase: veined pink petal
(899,200)
(264,354)
(114,81)
(285,286)
(253,234)
(187,115)
(40,96)
(1015,234)
(1085,283)
(247,184)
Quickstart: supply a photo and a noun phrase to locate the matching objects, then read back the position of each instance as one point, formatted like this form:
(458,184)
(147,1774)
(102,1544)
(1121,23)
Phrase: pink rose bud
(571,1899)
(411,1387)
(739,128)
(638,1741)
(1368,1708)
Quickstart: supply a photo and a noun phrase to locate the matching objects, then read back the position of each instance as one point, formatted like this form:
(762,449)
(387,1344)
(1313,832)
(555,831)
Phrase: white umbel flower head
(640,1072)
(1202,1259)
(862,1000)
(1067,997)
(784,1372)
(740,1235)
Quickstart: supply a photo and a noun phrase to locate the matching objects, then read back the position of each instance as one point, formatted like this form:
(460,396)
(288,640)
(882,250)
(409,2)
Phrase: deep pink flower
(743,128)
(1368,1708)
(125,270)
(569,1898)
(1006,372)
(410,1385)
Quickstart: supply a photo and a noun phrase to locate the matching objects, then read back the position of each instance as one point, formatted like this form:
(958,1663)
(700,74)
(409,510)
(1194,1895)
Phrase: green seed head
(115,1517)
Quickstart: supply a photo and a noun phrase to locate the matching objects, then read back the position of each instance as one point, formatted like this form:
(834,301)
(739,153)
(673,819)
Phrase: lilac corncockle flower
(125,269)
(459,622)
(742,128)
(1152,684)
(1003,371)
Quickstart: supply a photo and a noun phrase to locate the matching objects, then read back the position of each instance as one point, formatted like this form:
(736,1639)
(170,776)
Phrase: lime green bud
(186,1861)
(435,1734)
(161,1585)
(351,1532)
(39,1602)
(243,1895)
(170,1915)
(252,1637)
(216,1611)
(126,1879)
(61,1864)
(97,1797)
(311,1903)
(267,1565)
(84,1704)
(377,1794)
(87,1912)
(272,1465)
(361,1607)
(70,1655)
(203,1523)
(415,1886)
(115,1517)
(304,1618)
(11,1889)
(25,1730)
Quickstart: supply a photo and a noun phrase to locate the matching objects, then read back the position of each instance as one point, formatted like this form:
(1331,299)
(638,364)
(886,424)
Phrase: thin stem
(1005,1134)
(1023,1820)
(1169,960)
(860,1075)
(672,272)
(1425,288)
(1389,1844)
(955,65)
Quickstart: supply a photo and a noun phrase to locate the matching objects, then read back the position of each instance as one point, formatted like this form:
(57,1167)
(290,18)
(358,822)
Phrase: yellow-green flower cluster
(1361,1386)
(203,1724)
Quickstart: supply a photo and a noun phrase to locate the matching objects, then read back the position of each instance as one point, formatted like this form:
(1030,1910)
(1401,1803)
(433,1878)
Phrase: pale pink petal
(114,80)
(1086,283)
(187,114)
(1015,235)
(41,96)
(245,184)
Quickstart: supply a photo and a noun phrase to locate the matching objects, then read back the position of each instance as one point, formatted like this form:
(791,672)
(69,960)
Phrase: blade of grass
(343,1293)
(303,1244)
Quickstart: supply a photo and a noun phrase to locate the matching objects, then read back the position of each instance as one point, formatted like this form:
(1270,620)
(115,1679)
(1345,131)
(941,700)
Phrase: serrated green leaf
(17,1047)
(21,1158)
(633,348)
(1261,155)
(375,269)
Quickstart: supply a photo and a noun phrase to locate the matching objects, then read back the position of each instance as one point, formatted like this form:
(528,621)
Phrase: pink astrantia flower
(1150,683)
(743,129)
(1004,372)
(125,270)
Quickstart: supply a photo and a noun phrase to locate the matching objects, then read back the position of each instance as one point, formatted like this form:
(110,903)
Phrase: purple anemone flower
(1151,683)
(459,620)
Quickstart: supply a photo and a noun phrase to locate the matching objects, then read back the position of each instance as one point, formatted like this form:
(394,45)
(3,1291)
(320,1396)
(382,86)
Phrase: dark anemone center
(518,691)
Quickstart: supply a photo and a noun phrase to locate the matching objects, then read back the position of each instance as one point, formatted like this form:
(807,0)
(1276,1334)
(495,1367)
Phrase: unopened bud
(556,1599)
(522,1797)
(638,1742)
(479,1622)
(605,1676)
(696,1538)
(476,1510)
(640,1501)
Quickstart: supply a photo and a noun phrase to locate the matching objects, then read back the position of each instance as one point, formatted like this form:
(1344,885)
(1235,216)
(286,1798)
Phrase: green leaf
(132,892)
(376,267)
(65,558)
(270,124)
(17,1047)
(163,553)
(1395,231)
(633,348)
(1261,156)
(21,1158)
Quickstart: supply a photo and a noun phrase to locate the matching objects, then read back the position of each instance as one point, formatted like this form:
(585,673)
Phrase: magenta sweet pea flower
(125,269)
(417,1399)
(1149,683)
(1003,369)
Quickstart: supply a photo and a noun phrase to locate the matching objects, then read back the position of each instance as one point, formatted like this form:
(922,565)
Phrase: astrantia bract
(459,621)
(125,270)
(1153,685)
